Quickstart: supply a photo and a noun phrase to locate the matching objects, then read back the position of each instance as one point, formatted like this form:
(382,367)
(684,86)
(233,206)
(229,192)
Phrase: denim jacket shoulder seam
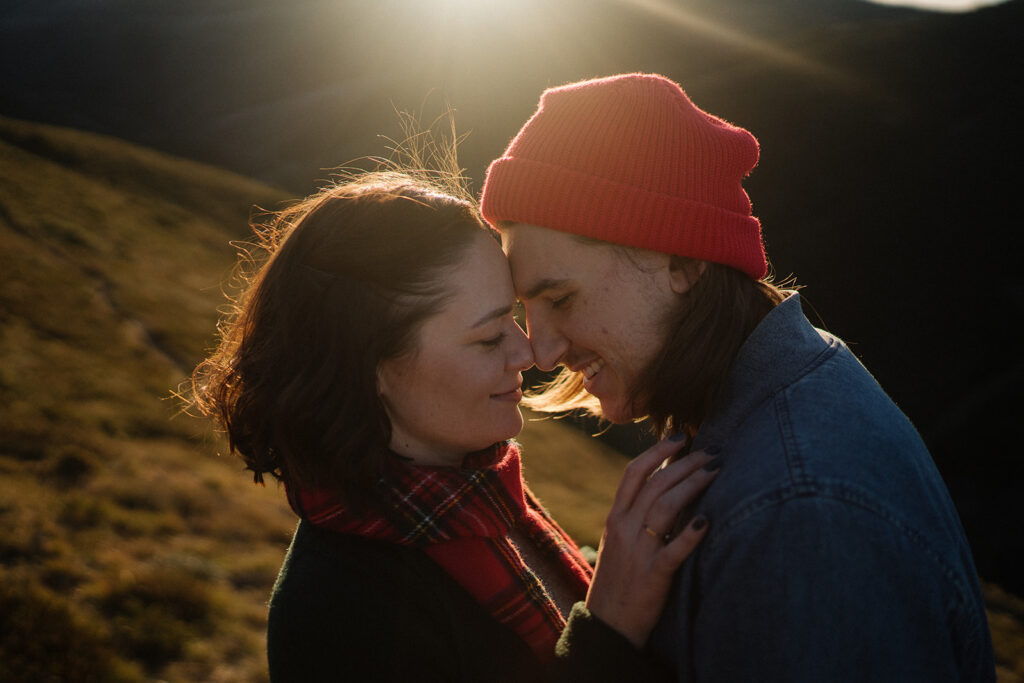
(832,347)
(843,493)
(787,435)
(781,402)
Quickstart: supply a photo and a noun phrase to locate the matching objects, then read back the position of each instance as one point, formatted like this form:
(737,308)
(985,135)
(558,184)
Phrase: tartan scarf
(461,518)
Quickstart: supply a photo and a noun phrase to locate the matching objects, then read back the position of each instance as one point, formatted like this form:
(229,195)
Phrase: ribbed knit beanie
(631,160)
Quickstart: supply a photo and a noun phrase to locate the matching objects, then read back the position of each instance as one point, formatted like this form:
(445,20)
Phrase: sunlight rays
(737,39)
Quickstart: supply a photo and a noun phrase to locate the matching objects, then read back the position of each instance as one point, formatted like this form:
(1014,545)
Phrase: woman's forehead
(479,286)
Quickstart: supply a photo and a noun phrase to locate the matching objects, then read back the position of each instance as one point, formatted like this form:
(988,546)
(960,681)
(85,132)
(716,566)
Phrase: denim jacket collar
(782,347)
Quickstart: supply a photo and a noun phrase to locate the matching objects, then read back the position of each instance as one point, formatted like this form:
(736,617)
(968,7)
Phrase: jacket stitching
(824,489)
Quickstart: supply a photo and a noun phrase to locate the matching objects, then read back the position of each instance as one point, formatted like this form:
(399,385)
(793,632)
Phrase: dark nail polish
(699,522)
(713,465)
(713,450)
(678,436)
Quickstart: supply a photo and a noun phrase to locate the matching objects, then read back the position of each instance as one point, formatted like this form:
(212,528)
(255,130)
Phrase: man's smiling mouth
(592,369)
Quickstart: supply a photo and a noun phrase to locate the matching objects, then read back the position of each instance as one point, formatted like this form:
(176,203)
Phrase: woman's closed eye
(493,342)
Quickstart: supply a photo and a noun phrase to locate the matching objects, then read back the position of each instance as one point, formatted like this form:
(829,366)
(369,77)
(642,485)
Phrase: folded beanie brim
(566,200)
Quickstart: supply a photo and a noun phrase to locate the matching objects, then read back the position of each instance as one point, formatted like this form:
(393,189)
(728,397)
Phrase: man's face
(595,308)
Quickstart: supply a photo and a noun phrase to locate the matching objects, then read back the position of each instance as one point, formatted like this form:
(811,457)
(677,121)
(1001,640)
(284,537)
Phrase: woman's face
(459,389)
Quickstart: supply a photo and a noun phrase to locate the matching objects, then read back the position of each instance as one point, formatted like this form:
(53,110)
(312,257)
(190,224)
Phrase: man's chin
(617,413)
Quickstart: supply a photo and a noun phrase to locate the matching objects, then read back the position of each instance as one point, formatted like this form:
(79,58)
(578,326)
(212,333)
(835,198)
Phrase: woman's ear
(684,273)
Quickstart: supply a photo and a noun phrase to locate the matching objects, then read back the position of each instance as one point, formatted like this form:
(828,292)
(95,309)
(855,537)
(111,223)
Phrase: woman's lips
(513,396)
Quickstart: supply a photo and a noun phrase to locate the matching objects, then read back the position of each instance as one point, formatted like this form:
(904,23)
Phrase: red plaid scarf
(461,519)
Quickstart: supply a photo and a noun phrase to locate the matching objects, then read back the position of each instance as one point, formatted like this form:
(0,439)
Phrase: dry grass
(572,474)
(129,550)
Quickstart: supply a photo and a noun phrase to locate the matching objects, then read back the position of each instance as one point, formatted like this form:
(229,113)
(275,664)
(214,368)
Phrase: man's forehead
(527,235)
(540,258)
(534,245)
(539,287)
(534,277)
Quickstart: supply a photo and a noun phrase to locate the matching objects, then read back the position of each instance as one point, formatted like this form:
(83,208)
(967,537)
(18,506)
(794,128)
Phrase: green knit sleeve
(590,650)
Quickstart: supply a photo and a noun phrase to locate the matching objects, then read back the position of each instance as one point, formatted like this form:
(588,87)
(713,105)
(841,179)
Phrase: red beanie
(631,160)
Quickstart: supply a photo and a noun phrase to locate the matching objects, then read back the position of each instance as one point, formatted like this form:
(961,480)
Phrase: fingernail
(713,465)
(699,522)
(713,450)
(678,436)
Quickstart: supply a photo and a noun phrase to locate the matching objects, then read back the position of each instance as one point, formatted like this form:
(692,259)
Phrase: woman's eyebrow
(496,313)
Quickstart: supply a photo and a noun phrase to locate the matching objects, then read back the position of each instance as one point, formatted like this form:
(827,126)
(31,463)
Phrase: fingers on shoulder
(686,541)
(653,461)
(636,474)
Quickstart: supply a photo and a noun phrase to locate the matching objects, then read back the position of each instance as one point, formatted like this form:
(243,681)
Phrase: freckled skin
(605,307)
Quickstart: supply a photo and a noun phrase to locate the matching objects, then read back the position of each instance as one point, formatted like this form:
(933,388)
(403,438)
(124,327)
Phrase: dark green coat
(347,608)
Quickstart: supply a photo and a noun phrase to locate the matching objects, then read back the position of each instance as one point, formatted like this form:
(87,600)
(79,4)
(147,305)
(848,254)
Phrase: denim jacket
(834,552)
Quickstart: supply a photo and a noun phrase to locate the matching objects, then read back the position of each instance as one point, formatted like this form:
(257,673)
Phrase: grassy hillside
(128,549)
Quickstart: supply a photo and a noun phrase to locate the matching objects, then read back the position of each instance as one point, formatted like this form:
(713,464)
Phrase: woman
(374,366)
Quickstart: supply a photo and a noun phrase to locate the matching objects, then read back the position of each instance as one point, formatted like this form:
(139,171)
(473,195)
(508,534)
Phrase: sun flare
(941,5)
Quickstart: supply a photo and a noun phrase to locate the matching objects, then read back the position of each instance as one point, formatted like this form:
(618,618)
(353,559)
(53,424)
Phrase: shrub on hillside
(43,638)
(155,615)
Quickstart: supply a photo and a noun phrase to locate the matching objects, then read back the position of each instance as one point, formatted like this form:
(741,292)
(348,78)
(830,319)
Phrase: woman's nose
(521,356)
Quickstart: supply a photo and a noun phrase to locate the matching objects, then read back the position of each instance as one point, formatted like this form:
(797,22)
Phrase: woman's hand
(640,550)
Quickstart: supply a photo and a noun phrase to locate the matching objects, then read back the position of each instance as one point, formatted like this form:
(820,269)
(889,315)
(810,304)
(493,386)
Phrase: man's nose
(549,346)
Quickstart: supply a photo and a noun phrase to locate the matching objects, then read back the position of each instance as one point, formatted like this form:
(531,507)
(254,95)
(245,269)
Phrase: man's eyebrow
(496,313)
(543,286)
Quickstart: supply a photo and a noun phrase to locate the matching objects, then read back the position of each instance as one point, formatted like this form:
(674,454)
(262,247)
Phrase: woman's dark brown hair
(686,383)
(352,272)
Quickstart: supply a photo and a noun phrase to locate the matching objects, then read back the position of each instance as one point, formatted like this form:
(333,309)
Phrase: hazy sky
(941,5)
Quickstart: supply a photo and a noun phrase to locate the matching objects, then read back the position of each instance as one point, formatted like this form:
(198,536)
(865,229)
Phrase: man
(834,553)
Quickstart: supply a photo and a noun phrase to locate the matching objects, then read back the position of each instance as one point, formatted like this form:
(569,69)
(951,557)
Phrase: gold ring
(654,533)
